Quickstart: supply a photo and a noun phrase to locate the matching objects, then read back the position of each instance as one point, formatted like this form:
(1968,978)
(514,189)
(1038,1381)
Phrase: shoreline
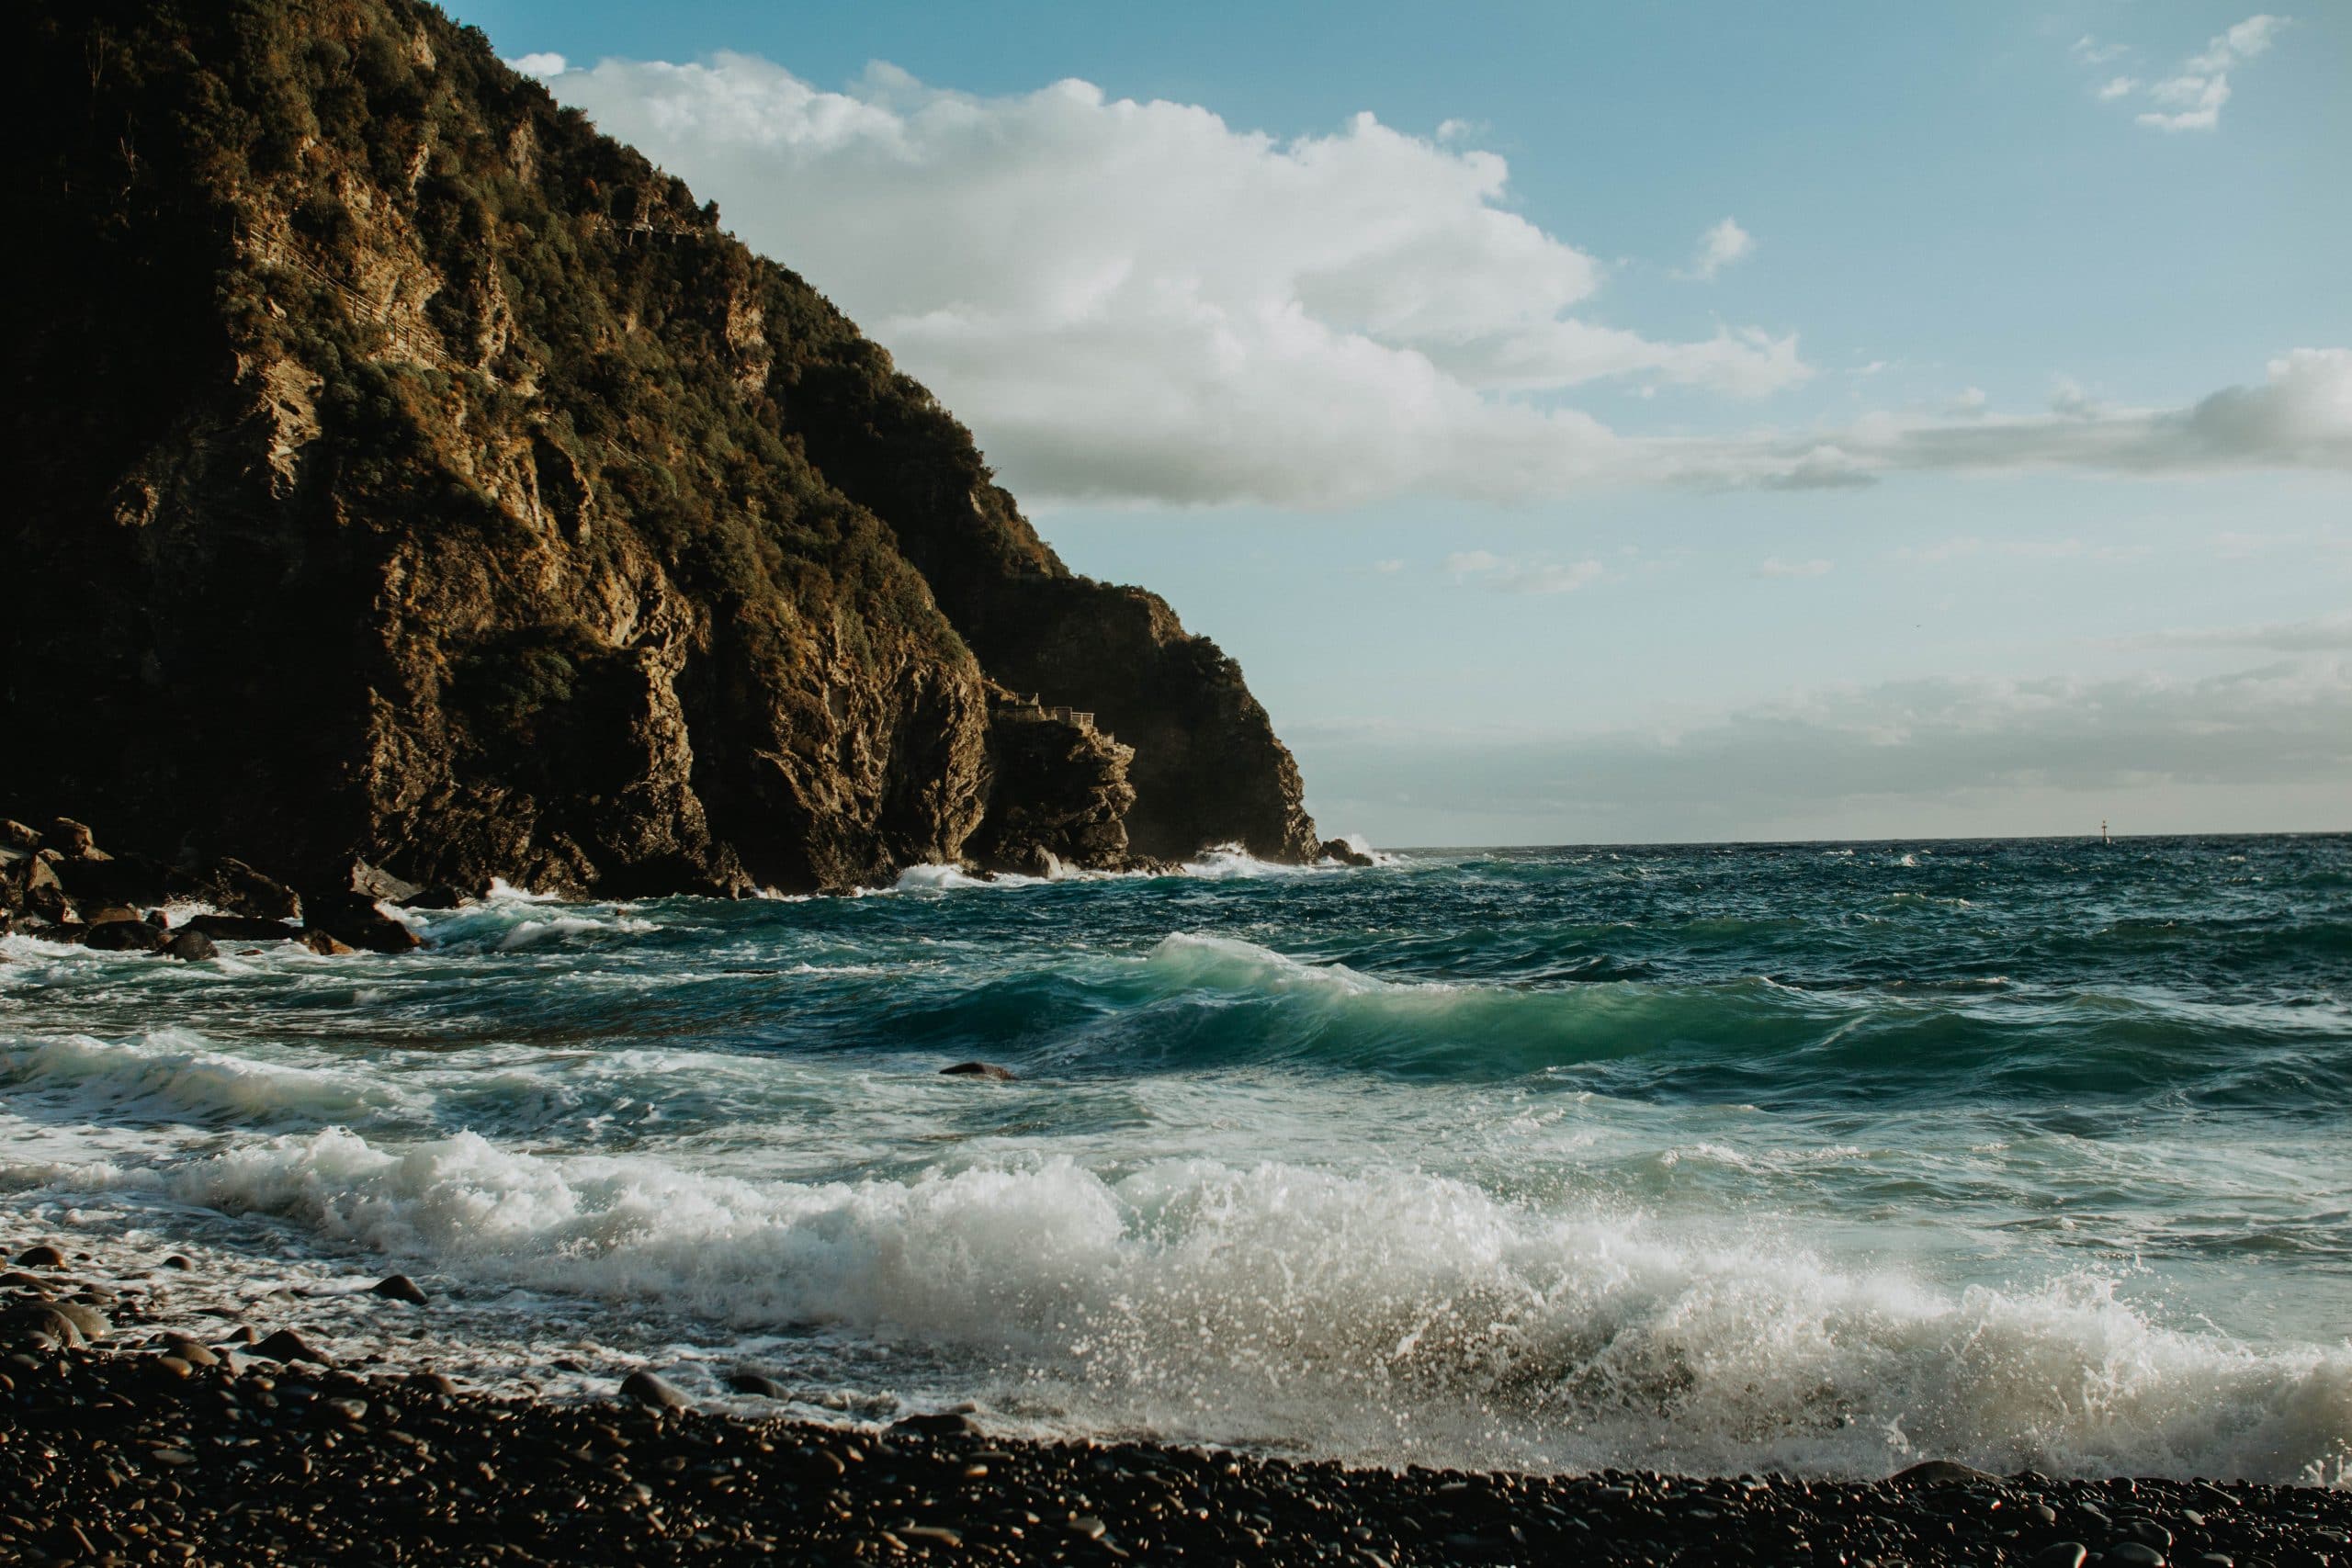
(173,1438)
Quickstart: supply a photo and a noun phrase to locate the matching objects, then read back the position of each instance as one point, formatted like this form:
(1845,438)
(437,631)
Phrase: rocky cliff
(400,471)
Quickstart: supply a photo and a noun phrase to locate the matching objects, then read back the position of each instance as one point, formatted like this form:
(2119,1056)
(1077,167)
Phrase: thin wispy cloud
(1773,566)
(2285,723)
(2192,96)
(1500,574)
(2322,633)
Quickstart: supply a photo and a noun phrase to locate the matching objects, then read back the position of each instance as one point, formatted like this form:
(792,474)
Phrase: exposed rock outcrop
(1059,794)
(403,473)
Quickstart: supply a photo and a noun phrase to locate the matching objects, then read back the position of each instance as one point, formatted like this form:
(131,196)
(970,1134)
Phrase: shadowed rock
(651,1392)
(988,1071)
(354,540)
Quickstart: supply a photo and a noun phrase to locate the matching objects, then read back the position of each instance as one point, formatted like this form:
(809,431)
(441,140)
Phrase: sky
(1618,423)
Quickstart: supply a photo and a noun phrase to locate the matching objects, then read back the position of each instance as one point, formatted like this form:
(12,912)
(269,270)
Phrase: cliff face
(401,471)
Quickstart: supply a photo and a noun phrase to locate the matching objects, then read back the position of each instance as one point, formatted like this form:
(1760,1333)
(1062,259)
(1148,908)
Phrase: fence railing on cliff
(1029,710)
(379,311)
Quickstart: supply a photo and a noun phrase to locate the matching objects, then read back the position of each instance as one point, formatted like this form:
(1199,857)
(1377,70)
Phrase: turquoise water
(1801,1157)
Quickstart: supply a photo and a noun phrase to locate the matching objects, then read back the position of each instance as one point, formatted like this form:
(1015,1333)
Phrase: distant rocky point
(404,475)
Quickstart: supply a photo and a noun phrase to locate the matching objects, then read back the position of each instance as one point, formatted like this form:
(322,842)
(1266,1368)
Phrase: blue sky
(1625,423)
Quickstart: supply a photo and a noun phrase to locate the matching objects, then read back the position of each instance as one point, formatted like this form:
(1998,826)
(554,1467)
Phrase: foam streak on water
(1720,1159)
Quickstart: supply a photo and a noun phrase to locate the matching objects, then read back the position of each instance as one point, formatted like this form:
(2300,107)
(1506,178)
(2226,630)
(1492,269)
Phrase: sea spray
(1714,1160)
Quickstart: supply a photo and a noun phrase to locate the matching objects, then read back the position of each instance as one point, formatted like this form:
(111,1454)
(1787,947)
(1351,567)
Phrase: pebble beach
(134,1432)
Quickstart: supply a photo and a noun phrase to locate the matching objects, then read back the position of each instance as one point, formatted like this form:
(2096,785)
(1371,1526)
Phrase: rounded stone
(651,1392)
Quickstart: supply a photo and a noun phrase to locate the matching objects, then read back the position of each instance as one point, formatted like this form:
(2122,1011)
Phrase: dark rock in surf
(285,1345)
(1344,853)
(651,1392)
(41,1255)
(1943,1473)
(759,1384)
(354,918)
(240,927)
(441,898)
(322,945)
(400,1288)
(189,947)
(234,888)
(132,935)
(988,1071)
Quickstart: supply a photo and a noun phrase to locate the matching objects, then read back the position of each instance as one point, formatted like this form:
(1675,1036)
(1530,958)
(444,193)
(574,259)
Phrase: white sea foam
(1383,1315)
(532,932)
(953,878)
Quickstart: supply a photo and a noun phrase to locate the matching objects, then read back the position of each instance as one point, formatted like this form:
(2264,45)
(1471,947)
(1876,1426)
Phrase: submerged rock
(988,1071)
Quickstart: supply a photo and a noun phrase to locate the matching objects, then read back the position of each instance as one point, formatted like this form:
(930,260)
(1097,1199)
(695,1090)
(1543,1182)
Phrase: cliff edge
(404,473)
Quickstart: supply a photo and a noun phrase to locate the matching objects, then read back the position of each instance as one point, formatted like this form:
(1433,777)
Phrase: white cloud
(1388,567)
(1773,566)
(1719,247)
(540,65)
(1137,300)
(2193,96)
(2069,399)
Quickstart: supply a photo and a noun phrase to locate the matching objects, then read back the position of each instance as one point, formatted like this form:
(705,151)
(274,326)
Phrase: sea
(1811,1158)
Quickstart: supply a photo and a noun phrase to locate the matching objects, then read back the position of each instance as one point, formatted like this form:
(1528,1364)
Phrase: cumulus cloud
(1719,247)
(1135,303)
(542,65)
(2192,96)
(1830,755)
(1138,301)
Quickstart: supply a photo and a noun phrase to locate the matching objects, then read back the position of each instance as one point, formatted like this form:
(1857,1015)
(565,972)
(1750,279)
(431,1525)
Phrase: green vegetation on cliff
(405,471)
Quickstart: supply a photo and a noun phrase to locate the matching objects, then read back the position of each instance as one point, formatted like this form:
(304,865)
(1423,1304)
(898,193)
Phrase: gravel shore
(129,1438)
